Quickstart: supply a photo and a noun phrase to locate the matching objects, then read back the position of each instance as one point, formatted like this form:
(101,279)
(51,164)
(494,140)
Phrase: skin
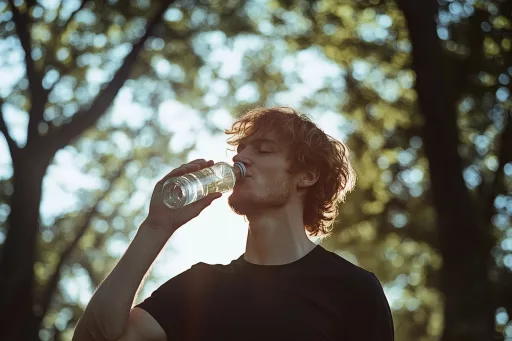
(109,314)
(272,200)
(269,196)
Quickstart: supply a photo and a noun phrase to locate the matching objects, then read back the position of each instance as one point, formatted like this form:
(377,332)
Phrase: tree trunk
(464,244)
(17,308)
(20,315)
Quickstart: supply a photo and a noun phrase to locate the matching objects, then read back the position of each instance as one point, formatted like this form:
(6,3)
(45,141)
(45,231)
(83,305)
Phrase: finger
(192,166)
(214,196)
(197,207)
(206,201)
(202,163)
(181,170)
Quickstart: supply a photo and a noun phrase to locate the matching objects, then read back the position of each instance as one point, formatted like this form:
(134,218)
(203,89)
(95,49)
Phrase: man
(284,287)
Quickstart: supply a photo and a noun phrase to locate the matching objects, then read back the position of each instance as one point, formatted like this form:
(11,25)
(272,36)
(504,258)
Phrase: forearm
(106,315)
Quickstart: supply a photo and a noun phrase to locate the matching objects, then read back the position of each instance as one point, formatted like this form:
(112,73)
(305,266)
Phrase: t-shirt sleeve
(380,323)
(173,303)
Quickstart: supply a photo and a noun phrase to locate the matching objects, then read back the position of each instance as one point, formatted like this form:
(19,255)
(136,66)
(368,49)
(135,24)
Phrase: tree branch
(21,22)
(13,147)
(83,120)
(64,70)
(38,97)
(51,285)
(59,34)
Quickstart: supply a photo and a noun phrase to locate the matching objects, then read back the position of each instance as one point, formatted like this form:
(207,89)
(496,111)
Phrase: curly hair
(308,148)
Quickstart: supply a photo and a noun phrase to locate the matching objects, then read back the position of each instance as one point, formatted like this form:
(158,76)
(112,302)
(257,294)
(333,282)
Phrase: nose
(241,157)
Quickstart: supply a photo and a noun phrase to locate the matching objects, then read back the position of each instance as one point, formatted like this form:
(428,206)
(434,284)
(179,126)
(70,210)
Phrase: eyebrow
(263,139)
(259,140)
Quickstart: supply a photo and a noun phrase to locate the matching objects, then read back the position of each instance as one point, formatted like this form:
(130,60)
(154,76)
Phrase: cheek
(276,181)
(274,169)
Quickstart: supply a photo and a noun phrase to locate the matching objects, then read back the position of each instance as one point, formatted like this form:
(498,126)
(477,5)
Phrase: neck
(277,237)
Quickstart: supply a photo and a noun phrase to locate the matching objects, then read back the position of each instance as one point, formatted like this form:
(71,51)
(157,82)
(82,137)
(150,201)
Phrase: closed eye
(264,152)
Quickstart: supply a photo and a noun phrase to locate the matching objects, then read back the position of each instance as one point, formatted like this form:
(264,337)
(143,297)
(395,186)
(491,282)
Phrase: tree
(451,213)
(62,47)
(464,222)
(389,225)
(30,163)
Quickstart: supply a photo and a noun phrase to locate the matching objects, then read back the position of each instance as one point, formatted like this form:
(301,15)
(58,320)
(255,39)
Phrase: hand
(162,217)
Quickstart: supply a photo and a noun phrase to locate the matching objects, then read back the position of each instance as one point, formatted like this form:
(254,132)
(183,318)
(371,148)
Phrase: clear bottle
(186,189)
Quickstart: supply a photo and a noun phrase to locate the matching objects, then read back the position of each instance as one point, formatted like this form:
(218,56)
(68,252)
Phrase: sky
(223,233)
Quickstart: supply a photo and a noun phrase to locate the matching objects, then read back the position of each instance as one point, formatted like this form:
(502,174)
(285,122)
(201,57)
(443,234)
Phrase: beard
(249,202)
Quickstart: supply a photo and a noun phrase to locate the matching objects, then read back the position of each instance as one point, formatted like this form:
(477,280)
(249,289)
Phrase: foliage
(388,225)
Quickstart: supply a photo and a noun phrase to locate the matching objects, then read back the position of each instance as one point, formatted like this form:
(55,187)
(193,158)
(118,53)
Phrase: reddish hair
(308,148)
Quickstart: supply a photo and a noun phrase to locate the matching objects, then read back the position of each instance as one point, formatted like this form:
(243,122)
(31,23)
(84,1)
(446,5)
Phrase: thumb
(206,201)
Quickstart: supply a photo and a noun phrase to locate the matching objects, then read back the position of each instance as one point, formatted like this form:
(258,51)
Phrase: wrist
(156,228)
(155,225)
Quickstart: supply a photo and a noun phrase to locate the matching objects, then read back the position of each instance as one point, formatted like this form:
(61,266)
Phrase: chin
(241,202)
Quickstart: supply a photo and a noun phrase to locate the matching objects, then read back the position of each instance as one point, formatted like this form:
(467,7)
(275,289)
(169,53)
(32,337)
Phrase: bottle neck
(239,169)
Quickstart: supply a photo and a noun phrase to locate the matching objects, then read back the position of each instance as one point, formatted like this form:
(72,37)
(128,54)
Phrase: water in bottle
(186,189)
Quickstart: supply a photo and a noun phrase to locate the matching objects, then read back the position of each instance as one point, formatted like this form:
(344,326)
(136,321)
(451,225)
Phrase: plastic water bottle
(186,189)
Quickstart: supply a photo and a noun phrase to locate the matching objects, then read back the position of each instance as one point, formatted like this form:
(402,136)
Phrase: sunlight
(217,235)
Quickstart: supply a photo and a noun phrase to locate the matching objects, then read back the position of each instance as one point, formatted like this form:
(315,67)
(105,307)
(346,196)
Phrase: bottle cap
(243,169)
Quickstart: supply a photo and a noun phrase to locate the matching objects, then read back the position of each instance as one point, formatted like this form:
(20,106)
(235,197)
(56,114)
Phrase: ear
(308,178)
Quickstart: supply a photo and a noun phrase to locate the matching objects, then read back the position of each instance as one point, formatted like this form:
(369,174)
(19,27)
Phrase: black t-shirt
(318,297)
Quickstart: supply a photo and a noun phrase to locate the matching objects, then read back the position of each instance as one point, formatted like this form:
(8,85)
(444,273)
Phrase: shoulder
(350,273)
(197,277)
(178,286)
(334,260)
(178,298)
(362,287)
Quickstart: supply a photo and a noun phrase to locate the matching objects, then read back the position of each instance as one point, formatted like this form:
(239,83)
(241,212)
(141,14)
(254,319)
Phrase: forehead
(269,138)
(258,140)
(259,137)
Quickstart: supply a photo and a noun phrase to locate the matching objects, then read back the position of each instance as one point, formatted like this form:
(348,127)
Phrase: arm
(142,327)
(108,316)
(381,320)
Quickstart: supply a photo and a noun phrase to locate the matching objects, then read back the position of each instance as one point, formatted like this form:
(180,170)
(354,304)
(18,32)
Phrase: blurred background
(100,99)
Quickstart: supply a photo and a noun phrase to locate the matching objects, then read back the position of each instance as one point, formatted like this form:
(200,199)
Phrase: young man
(284,287)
